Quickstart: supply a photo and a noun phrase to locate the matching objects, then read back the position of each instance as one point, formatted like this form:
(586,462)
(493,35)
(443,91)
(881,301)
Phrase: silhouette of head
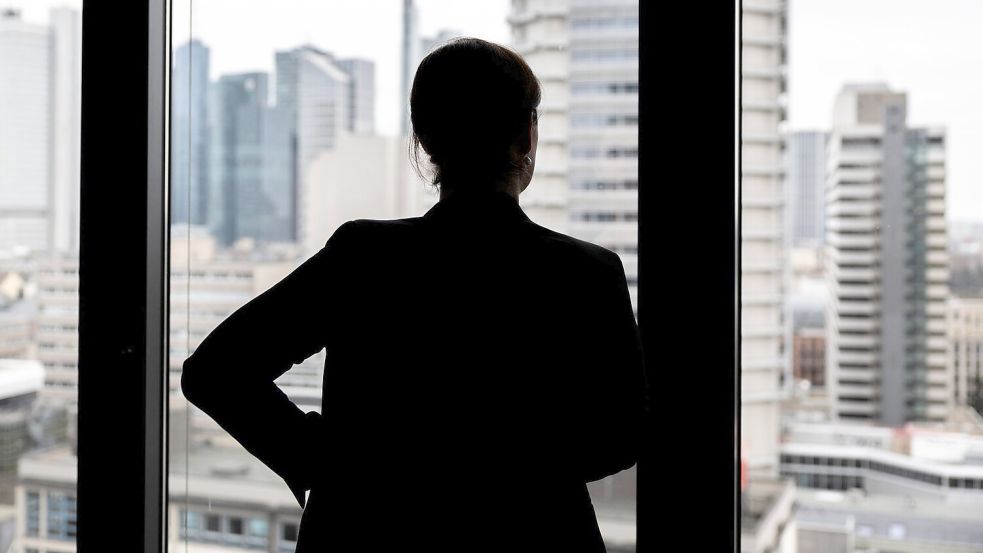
(473,110)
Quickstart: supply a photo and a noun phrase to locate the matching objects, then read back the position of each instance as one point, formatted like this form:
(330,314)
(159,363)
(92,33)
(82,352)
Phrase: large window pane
(283,128)
(861,282)
(40,92)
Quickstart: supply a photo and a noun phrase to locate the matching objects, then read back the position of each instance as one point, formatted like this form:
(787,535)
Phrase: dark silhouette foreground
(480,370)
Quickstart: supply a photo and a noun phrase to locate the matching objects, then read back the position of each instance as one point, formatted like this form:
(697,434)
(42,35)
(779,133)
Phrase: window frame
(689,111)
(122,315)
(123,328)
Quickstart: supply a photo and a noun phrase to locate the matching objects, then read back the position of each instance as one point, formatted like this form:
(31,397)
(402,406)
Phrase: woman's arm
(614,380)
(230,375)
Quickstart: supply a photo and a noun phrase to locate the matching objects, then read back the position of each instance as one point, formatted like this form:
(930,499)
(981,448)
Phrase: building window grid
(32,520)
(880,467)
(229,530)
(62,516)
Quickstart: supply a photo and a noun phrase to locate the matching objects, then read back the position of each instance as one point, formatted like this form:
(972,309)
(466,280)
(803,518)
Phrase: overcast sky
(931,49)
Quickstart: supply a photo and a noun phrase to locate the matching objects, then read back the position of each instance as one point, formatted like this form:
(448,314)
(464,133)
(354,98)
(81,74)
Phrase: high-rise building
(966,350)
(765,330)
(409,59)
(806,173)
(189,134)
(57,327)
(239,206)
(25,142)
(39,139)
(541,33)
(66,129)
(361,94)
(602,128)
(313,95)
(585,55)
(887,261)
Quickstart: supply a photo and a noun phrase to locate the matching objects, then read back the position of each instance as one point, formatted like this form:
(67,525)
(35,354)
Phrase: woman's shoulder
(577,248)
(360,230)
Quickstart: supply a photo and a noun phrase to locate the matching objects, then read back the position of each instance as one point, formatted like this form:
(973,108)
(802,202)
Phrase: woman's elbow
(196,385)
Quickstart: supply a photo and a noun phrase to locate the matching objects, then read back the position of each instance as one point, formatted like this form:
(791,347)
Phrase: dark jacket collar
(484,205)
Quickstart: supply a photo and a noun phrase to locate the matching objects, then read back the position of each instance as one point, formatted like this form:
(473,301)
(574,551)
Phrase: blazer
(480,370)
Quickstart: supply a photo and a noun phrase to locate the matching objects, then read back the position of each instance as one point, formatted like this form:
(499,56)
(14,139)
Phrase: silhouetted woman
(480,368)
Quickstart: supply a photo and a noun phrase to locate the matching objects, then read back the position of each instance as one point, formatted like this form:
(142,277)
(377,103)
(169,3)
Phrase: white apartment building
(887,262)
(966,350)
(764,328)
(585,55)
(56,336)
(541,34)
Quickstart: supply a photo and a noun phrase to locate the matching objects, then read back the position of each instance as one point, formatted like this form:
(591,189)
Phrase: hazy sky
(932,49)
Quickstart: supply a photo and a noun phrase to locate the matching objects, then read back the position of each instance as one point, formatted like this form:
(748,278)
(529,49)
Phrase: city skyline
(851,329)
(829,45)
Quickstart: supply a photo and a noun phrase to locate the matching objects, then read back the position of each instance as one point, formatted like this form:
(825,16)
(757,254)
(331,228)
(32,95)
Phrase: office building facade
(966,350)
(765,330)
(887,261)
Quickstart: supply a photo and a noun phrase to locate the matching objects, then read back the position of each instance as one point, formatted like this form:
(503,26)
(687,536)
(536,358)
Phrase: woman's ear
(523,142)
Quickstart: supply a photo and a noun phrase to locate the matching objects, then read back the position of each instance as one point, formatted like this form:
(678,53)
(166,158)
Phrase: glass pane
(40,103)
(295,120)
(862,291)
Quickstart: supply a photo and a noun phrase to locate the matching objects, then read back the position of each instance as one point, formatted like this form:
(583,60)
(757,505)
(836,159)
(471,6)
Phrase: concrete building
(57,327)
(358,179)
(768,524)
(806,172)
(914,489)
(765,358)
(361,95)
(541,33)
(965,321)
(602,147)
(887,261)
(938,461)
(847,522)
(586,58)
(314,97)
